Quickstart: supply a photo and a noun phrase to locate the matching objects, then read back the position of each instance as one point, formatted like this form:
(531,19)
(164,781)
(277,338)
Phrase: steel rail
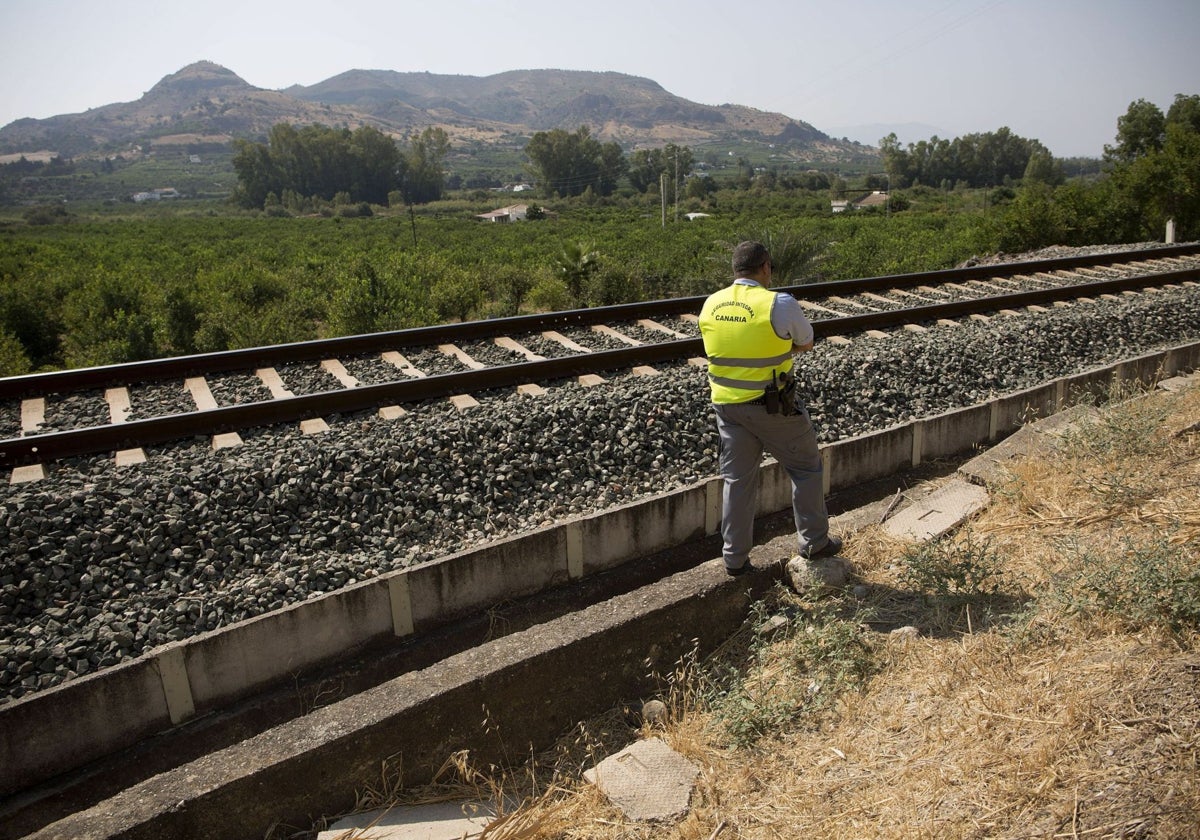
(984,272)
(53,446)
(76,379)
(1011,300)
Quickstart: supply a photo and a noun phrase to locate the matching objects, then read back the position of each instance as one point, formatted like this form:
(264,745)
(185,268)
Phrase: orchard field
(187,278)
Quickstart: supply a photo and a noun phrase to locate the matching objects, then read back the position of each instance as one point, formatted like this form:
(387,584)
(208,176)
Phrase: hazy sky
(1059,71)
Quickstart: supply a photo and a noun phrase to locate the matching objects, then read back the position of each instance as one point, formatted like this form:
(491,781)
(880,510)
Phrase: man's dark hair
(748,256)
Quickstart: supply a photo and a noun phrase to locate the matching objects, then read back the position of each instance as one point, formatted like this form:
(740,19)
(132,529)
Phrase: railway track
(120,408)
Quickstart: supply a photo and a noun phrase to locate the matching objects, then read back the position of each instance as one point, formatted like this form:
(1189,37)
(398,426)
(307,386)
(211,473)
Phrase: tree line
(299,166)
(1156,159)
(989,159)
(319,163)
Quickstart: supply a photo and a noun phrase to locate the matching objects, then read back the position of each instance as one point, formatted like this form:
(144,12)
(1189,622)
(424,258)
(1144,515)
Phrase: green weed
(953,572)
(1150,583)
(799,671)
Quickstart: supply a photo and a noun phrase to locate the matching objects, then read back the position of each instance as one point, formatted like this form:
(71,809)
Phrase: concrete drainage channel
(209,738)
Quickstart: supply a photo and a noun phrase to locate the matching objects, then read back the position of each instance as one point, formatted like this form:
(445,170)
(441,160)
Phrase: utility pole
(676,183)
(662,191)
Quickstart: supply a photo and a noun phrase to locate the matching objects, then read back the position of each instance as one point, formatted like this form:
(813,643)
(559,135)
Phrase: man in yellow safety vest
(750,334)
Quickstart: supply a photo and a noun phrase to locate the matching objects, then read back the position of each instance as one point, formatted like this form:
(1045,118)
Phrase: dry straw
(1051,688)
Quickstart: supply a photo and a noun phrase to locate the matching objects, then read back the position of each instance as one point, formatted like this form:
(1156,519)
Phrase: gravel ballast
(102,563)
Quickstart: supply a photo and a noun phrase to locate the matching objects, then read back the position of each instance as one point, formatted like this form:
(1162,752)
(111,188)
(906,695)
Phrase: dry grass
(1053,689)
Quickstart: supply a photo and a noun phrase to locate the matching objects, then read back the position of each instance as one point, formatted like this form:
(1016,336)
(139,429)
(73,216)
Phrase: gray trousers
(747,430)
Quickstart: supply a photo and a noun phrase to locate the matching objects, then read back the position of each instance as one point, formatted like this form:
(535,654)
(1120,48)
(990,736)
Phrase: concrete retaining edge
(68,726)
(502,701)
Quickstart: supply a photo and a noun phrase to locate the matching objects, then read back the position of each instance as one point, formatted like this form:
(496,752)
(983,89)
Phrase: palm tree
(794,254)
(574,264)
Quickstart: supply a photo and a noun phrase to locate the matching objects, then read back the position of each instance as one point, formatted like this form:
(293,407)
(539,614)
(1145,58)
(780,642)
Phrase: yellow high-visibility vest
(742,347)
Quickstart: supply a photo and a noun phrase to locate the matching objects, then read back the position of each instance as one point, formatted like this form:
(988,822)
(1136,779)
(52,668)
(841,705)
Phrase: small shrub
(816,661)
(13,359)
(951,571)
(509,286)
(550,294)
(1125,429)
(456,295)
(47,215)
(1151,583)
(611,285)
(1109,451)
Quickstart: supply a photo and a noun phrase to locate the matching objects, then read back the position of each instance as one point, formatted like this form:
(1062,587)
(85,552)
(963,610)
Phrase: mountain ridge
(206,102)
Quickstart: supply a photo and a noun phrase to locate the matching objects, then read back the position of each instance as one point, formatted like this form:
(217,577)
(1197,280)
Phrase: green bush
(387,293)
(611,284)
(1149,583)
(456,295)
(805,668)
(52,214)
(953,571)
(13,361)
(550,294)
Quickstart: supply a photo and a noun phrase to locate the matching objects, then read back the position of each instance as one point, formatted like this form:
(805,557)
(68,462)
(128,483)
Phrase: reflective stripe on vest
(743,350)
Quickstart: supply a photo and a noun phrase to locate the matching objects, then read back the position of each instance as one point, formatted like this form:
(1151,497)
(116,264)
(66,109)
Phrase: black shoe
(832,546)
(740,570)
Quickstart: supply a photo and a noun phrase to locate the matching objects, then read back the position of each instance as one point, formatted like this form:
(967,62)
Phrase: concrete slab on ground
(647,780)
(1180,383)
(941,511)
(460,820)
(989,468)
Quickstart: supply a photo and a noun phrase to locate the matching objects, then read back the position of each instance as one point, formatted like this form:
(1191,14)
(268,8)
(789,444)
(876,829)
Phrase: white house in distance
(877,198)
(512,213)
(156,195)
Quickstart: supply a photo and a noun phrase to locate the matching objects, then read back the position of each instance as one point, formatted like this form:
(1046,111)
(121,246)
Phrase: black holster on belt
(780,396)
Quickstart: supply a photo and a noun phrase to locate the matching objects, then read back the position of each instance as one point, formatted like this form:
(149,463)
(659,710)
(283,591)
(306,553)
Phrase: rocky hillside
(203,101)
(207,103)
(630,109)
